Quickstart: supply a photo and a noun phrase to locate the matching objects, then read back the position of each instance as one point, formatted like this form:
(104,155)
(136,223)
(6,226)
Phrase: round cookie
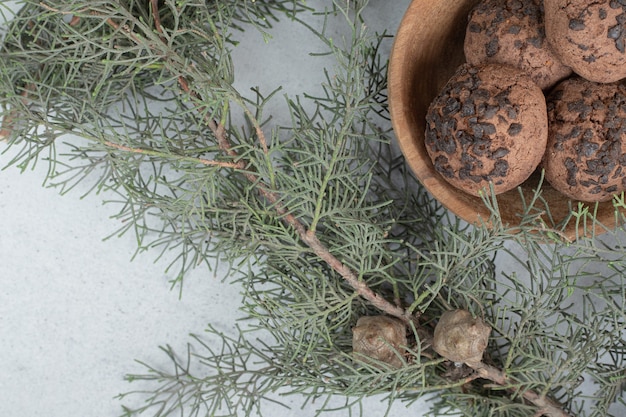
(589,37)
(487,125)
(512,32)
(586,153)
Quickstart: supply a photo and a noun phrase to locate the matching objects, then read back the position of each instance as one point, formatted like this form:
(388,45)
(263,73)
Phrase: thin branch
(155,15)
(6,127)
(547,406)
(208,162)
(9,119)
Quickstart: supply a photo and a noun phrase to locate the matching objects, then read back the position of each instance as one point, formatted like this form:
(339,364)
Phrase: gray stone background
(75,311)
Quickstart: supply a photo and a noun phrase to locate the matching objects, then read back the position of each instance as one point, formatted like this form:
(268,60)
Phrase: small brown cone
(459,337)
(380,338)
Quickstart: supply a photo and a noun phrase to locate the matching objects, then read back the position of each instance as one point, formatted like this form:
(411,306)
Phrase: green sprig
(320,220)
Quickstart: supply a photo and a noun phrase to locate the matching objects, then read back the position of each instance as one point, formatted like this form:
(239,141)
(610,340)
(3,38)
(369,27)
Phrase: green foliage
(199,172)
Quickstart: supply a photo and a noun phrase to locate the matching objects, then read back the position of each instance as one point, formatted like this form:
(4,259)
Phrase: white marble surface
(75,311)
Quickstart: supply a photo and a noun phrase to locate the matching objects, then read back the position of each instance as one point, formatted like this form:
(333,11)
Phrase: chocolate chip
(590,58)
(576,24)
(468,108)
(587,149)
(492,48)
(489,128)
(464,139)
(491,111)
(503,98)
(464,174)
(535,41)
(572,170)
(595,190)
(443,167)
(499,153)
(598,105)
(482,94)
(480,147)
(614,32)
(471,162)
(617,32)
(477,130)
(452,107)
(514,29)
(514,129)
(580,107)
(582,46)
(602,13)
(447,144)
(500,168)
(474,27)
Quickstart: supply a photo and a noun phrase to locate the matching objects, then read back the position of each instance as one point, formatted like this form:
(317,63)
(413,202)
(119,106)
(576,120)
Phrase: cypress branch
(324,207)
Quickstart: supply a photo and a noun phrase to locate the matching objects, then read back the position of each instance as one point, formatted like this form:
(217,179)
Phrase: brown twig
(6,127)
(155,15)
(7,124)
(547,406)
(208,162)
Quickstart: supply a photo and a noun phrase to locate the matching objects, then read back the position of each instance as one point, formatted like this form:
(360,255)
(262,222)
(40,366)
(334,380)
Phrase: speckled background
(75,311)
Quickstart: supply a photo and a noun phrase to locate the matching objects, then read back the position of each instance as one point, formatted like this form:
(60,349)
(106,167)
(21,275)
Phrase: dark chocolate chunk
(452,106)
(572,170)
(443,167)
(602,13)
(500,168)
(492,48)
(514,29)
(514,129)
(474,27)
(614,32)
(490,111)
(576,24)
(587,148)
(580,107)
(499,153)
(589,58)
(468,108)
(511,113)
(480,147)
(535,41)
(482,94)
(447,144)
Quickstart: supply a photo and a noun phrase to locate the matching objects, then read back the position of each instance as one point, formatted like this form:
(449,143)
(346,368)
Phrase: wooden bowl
(427,50)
